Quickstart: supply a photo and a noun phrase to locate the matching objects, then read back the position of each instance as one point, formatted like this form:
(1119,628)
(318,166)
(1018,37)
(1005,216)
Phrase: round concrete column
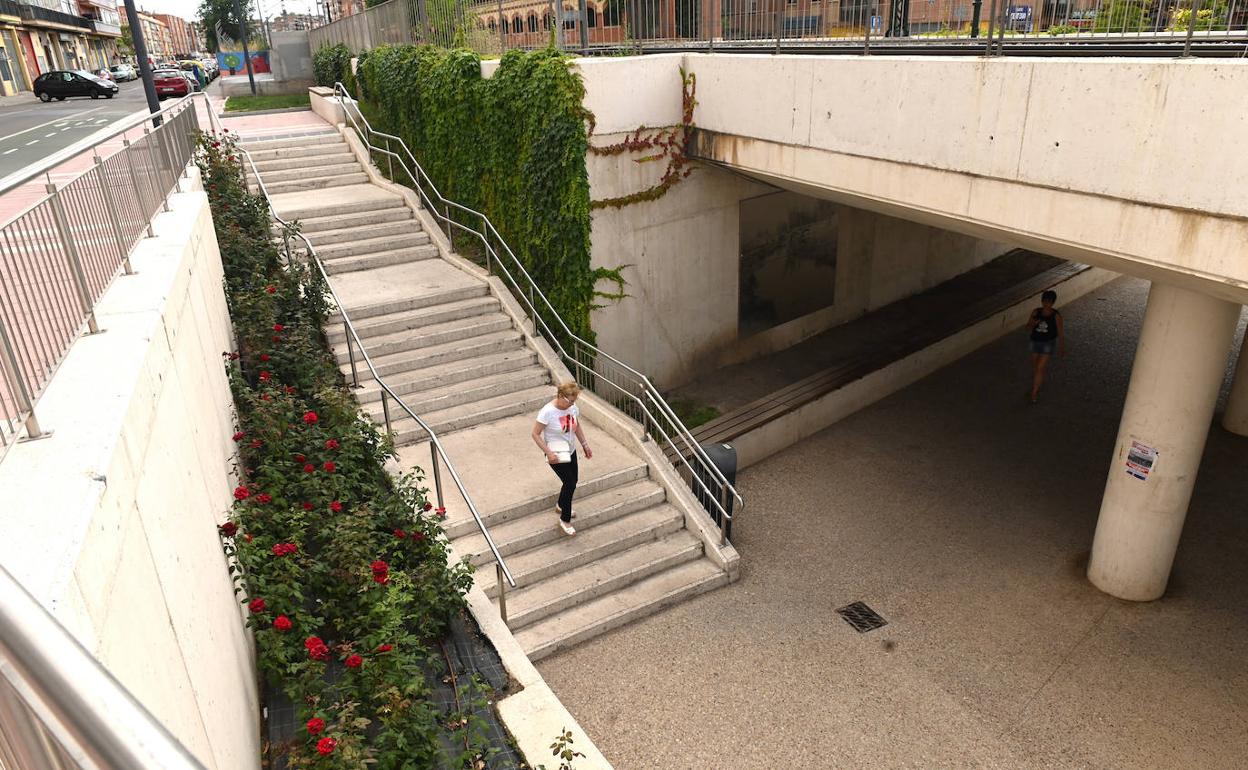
(1178,369)
(1235,419)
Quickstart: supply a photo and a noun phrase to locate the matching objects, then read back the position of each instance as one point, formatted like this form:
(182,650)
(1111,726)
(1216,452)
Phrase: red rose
(282,623)
(400,534)
(278,327)
(271,289)
(263,498)
(315,726)
(241,493)
(248,537)
(326,746)
(332,444)
(264,356)
(284,549)
(309,468)
(309,417)
(316,647)
(229,529)
(239,436)
(255,442)
(335,506)
(276,338)
(264,376)
(300,459)
(312,641)
(418,536)
(385,647)
(353,661)
(265,397)
(441,513)
(329,466)
(308,506)
(381,572)
(235,356)
(256,606)
(428,506)
(290,390)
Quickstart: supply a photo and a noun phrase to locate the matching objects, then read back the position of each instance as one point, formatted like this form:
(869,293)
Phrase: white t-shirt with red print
(560,427)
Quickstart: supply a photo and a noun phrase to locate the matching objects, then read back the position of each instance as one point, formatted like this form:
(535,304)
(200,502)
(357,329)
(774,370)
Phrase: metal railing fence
(60,254)
(608,377)
(492,26)
(437,452)
(60,709)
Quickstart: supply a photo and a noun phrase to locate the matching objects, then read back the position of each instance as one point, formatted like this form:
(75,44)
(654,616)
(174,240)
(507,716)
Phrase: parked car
(123,72)
(190,78)
(104,74)
(59,84)
(210,68)
(171,82)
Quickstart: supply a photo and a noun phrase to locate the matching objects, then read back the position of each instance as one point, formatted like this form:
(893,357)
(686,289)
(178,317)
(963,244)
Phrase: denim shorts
(1043,347)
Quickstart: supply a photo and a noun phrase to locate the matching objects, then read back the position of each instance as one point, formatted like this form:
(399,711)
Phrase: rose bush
(310,537)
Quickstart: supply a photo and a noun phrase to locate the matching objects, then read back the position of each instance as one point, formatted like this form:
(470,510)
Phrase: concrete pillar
(1236,417)
(1179,364)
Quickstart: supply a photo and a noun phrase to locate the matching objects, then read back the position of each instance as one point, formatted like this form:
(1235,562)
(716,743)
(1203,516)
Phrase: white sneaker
(567,527)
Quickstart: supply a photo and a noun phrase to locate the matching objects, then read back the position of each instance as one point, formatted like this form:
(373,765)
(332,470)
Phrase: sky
(189,9)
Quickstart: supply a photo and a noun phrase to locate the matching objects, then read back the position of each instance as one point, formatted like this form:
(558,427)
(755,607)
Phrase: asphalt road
(29,132)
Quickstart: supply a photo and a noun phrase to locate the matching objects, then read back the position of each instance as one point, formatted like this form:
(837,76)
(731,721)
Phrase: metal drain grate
(861,617)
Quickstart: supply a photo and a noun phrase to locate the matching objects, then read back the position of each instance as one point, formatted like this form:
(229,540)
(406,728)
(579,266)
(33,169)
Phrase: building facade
(183,39)
(156,35)
(37,36)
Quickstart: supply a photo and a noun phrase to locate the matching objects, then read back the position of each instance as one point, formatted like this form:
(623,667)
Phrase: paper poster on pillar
(1141,460)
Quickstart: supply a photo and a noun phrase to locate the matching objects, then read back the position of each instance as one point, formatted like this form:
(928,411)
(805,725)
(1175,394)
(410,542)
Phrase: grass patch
(277,102)
(691,413)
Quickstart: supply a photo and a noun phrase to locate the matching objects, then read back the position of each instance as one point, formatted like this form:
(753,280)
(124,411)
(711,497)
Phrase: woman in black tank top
(1045,330)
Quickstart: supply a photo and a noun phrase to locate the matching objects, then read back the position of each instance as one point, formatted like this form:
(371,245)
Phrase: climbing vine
(670,144)
(511,146)
(332,63)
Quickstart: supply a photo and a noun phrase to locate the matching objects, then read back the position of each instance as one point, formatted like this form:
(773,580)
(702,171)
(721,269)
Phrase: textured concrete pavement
(964,516)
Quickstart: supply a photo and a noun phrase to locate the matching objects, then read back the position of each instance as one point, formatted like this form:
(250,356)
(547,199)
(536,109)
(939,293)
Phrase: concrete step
(301,141)
(320,224)
(591,483)
(424,301)
(379,259)
(568,553)
(645,597)
(310,170)
(315,183)
(367,206)
(439,399)
(350,233)
(537,528)
(408,360)
(445,421)
(526,606)
(415,319)
(326,158)
(367,245)
(301,154)
(428,336)
(454,374)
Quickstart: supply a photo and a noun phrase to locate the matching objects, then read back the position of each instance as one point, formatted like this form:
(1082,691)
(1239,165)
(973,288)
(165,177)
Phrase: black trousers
(567,473)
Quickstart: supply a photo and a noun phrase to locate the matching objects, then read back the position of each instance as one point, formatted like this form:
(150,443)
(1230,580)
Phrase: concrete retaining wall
(111,521)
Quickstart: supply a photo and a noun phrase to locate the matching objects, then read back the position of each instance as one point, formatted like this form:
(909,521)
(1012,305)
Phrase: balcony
(104,28)
(36,14)
(9,8)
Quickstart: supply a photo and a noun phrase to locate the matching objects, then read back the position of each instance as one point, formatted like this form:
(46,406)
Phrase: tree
(213,11)
(125,43)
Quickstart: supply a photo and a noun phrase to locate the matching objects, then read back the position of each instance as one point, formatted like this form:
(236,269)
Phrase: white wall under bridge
(1133,165)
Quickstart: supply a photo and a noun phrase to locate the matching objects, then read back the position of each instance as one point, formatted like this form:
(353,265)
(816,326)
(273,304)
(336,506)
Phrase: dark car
(170,82)
(59,84)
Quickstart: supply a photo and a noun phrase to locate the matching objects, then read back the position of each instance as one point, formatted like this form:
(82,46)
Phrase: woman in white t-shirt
(556,423)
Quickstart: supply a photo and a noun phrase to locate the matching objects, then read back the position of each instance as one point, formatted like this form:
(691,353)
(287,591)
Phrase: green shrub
(331,64)
(1063,29)
(511,146)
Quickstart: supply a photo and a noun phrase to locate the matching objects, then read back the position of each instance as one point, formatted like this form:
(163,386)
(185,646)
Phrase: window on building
(856,11)
(493,25)
(569,17)
(532,22)
(546,21)
(591,17)
(611,13)
(517,26)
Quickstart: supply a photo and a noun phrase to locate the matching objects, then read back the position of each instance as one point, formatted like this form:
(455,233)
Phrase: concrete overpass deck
(963,515)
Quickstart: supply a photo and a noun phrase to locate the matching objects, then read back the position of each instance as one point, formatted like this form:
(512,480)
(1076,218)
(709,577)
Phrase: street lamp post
(140,52)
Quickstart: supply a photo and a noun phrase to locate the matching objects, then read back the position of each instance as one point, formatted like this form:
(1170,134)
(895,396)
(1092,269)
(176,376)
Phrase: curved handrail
(435,442)
(641,382)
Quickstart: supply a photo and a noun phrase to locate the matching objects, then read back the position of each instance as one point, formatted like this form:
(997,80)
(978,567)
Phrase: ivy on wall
(511,146)
(332,63)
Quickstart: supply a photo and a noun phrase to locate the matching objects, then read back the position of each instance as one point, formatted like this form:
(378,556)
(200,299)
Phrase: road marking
(41,125)
(33,141)
(50,135)
(9,152)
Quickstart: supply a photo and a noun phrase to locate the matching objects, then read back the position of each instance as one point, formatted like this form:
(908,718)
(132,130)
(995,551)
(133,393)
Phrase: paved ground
(964,516)
(36,130)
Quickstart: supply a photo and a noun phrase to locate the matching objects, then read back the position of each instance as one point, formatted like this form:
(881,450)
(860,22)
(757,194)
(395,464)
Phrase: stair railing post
(437,473)
(385,410)
(502,590)
(355,374)
(450,231)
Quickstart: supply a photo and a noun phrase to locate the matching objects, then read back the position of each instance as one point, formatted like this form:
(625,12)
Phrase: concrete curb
(250,113)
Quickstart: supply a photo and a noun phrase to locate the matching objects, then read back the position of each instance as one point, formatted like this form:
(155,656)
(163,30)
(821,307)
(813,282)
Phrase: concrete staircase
(445,344)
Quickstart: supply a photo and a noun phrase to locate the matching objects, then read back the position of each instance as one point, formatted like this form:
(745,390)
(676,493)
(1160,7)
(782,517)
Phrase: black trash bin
(724,457)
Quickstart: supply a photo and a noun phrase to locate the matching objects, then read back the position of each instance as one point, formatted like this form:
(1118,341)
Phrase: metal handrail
(60,708)
(436,448)
(645,390)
